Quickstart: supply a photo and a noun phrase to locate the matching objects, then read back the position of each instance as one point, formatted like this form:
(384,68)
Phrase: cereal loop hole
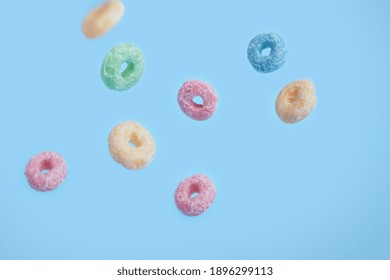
(266,48)
(46,166)
(126,69)
(194,191)
(123,66)
(195,194)
(198,100)
(293,95)
(131,144)
(134,140)
(266,51)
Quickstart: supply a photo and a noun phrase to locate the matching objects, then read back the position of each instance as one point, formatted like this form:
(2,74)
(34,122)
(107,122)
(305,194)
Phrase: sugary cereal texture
(54,166)
(267,63)
(112,75)
(136,157)
(295,101)
(192,89)
(101,19)
(189,204)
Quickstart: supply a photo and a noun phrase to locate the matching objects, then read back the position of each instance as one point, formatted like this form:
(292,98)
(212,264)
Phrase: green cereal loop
(111,73)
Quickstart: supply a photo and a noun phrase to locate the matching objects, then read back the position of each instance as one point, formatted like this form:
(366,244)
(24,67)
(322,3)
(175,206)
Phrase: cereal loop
(101,19)
(192,89)
(266,63)
(194,195)
(143,150)
(111,72)
(295,101)
(45,171)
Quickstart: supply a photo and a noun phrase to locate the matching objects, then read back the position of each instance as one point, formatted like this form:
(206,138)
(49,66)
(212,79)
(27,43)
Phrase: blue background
(318,189)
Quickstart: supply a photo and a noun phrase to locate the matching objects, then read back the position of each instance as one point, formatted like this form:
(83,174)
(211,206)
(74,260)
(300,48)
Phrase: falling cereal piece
(101,19)
(266,63)
(194,195)
(140,153)
(111,71)
(45,171)
(195,88)
(295,101)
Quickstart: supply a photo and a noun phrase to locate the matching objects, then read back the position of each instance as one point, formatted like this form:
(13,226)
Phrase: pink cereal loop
(194,206)
(192,89)
(55,175)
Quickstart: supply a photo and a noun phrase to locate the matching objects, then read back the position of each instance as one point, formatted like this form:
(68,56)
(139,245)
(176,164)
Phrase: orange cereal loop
(295,101)
(136,155)
(101,19)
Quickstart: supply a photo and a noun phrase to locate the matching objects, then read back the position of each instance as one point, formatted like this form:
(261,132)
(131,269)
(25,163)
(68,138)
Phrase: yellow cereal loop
(295,101)
(101,19)
(131,145)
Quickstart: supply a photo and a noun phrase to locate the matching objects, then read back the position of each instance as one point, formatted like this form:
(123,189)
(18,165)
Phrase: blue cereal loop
(267,63)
